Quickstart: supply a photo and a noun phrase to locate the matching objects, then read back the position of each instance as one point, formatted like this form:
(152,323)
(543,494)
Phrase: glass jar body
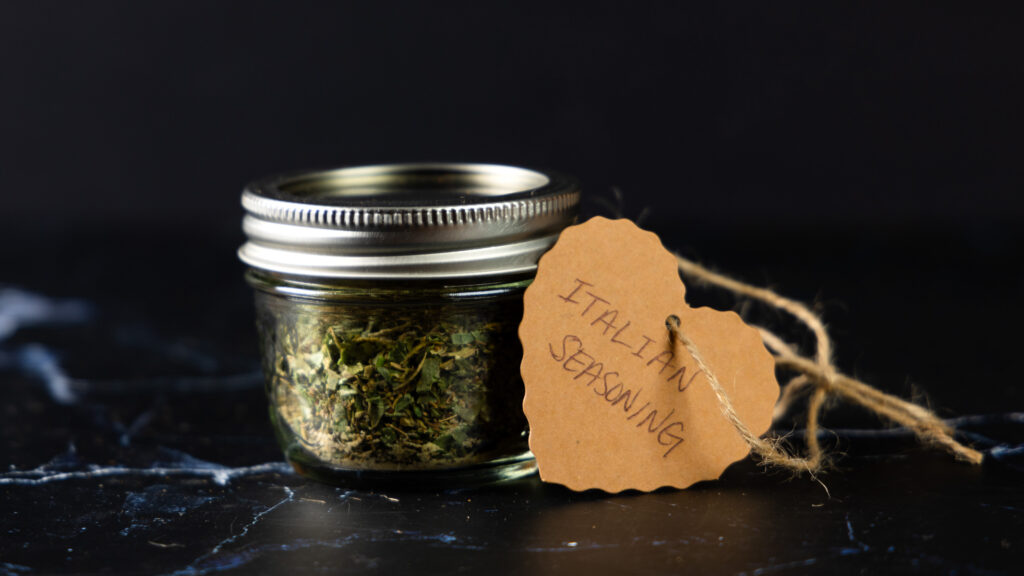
(395,382)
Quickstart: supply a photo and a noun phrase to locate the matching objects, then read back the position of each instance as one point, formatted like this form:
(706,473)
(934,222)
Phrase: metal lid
(404,221)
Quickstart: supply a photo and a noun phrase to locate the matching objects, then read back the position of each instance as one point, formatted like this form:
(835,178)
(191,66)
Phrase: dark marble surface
(135,437)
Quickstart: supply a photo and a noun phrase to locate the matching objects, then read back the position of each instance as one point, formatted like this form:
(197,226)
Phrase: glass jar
(388,302)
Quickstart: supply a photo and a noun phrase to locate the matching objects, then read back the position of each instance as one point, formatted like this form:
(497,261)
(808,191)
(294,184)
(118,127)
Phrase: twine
(817,376)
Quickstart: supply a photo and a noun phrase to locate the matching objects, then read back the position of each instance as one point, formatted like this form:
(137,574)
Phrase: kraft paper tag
(613,401)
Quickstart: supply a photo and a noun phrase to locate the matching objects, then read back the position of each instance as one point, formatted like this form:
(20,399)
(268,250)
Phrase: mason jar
(388,300)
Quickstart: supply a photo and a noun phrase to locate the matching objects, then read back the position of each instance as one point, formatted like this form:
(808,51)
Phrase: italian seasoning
(384,389)
(388,303)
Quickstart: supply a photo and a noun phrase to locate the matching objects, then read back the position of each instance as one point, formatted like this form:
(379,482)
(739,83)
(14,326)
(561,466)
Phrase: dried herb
(396,387)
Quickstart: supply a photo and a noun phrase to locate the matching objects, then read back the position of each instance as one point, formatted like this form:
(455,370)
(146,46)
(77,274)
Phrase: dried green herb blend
(396,387)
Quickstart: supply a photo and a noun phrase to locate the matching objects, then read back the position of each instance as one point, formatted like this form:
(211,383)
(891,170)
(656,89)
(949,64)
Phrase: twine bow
(819,375)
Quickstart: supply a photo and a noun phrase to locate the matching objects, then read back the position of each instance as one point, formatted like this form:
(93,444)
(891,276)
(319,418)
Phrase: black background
(863,158)
(773,114)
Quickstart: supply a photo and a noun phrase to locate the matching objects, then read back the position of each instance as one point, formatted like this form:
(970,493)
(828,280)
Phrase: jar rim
(396,185)
(421,220)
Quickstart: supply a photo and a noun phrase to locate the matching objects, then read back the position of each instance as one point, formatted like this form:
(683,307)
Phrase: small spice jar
(388,301)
